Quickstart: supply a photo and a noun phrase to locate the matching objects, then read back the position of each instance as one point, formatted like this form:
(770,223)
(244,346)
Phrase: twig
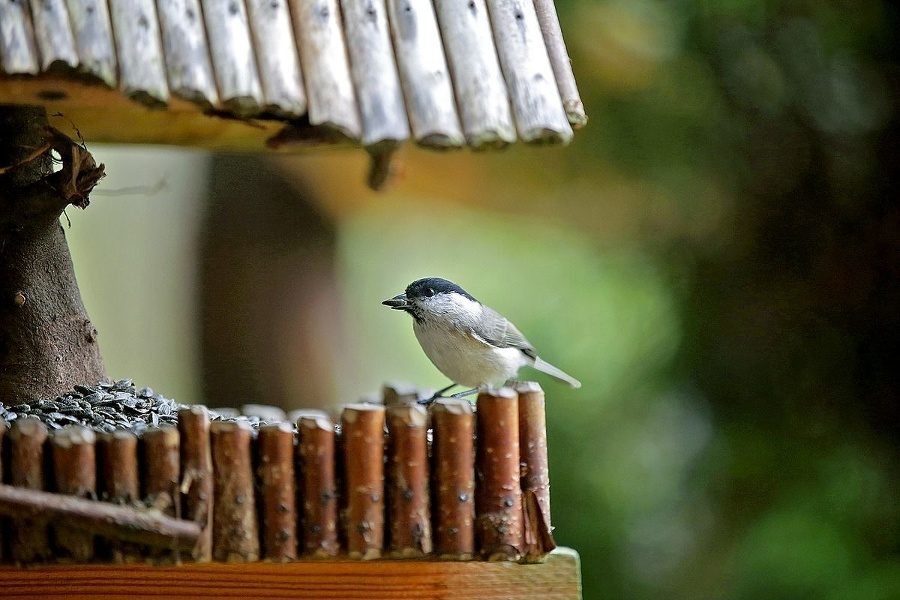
(277,491)
(316,454)
(410,516)
(453,453)
(363,433)
(100,518)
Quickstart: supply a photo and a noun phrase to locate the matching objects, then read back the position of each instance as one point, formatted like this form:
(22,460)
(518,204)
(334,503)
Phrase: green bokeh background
(716,256)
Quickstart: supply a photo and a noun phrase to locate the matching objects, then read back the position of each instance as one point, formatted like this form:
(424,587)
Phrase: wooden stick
(233,60)
(535,471)
(186,52)
(424,74)
(410,514)
(315,451)
(75,474)
(384,121)
(453,454)
(94,40)
(119,482)
(276,56)
(536,102)
(197,475)
(559,60)
(90,517)
(498,495)
(161,467)
(278,496)
(29,542)
(53,34)
(363,433)
(19,56)
(142,73)
(235,532)
(481,94)
(320,34)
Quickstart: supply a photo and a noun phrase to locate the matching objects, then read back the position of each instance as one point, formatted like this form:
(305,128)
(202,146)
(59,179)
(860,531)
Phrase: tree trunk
(47,342)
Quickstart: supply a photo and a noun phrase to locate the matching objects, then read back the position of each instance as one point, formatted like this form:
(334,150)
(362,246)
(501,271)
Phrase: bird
(470,343)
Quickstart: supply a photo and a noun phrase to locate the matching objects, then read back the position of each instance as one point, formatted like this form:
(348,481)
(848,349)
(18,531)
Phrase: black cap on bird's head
(425,288)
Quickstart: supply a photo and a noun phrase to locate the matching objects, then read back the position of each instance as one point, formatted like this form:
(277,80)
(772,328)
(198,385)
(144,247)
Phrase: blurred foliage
(769,131)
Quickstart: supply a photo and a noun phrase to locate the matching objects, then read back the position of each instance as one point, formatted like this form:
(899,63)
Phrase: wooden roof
(444,73)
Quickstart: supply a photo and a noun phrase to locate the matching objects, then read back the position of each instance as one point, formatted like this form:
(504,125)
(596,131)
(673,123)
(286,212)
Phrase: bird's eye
(429,292)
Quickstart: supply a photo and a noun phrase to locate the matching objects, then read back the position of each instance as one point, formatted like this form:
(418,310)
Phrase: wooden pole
(407,491)
(197,475)
(75,474)
(559,60)
(453,460)
(161,467)
(235,532)
(498,497)
(363,433)
(29,543)
(119,481)
(315,452)
(535,471)
(277,491)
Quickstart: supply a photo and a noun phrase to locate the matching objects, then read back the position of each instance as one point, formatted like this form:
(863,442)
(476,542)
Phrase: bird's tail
(545,367)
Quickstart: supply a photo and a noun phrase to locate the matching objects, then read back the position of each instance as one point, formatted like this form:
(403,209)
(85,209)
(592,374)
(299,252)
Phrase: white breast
(465,359)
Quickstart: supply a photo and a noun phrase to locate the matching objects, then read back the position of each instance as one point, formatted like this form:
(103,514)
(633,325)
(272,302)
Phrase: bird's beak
(398,302)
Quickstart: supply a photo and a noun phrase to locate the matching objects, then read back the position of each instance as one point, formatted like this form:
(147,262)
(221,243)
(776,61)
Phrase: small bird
(470,343)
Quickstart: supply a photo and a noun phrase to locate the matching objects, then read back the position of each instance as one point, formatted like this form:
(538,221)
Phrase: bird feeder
(396,499)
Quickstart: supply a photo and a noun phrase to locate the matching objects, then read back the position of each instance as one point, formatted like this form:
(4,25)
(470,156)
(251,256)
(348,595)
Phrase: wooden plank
(142,75)
(92,30)
(323,55)
(18,53)
(536,102)
(424,74)
(384,120)
(186,52)
(276,55)
(53,34)
(232,56)
(559,60)
(481,95)
(556,579)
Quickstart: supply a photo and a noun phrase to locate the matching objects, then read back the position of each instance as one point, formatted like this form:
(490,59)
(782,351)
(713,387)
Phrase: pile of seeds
(104,407)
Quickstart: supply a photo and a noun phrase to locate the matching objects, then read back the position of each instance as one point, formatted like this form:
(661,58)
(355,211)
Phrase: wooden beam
(558,578)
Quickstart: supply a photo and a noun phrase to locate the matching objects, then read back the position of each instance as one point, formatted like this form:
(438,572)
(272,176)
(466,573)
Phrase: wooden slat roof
(444,73)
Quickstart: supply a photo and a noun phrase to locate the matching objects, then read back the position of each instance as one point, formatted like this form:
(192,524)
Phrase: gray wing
(496,330)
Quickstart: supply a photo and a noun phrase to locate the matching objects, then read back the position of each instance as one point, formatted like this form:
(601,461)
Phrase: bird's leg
(465,393)
(436,395)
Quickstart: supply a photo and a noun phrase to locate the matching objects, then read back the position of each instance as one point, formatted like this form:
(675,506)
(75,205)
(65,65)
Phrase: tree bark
(47,342)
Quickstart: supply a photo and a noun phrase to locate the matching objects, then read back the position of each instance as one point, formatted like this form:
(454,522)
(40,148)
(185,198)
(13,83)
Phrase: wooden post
(235,532)
(535,471)
(74,470)
(363,433)
(232,54)
(276,56)
(277,491)
(119,481)
(315,451)
(29,543)
(407,491)
(161,468)
(197,475)
(498,495)
(453,460)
